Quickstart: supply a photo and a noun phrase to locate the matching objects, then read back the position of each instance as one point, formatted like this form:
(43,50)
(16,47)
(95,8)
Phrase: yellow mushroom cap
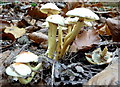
(50,8)
(18,70)
(85,13)
(26,57)
(56,19)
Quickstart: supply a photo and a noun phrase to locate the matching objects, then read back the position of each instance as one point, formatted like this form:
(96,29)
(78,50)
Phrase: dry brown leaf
(31,29)
(3,24)
(109,76)
(97,5)
(7,37)
(114,26)
(104,30)
(17,32)
(36,13)
(38,37)
(22,23)
(85,40)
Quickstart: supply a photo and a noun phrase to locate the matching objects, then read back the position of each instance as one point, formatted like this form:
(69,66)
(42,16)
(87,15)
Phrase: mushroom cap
(18,70)
(56,19)
(70,20)
(26,57)
(50,8)
(85,13)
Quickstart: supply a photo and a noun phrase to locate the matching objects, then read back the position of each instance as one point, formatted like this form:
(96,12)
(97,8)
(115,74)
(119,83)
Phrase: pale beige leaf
(17,32)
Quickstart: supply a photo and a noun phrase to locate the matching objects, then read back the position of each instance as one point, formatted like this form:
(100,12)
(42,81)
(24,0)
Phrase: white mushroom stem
(52,39)
(28,80)
(36,68)
(59,44)
(74,33)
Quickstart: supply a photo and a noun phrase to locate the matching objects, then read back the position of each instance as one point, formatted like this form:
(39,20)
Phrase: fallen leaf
(114,26)
(99,4)
(35,13)
(7,40)
(85,40)
(31,29)
(17,32)
(22,23)
(3,24)
(104,30)
(109,76)
(38,37)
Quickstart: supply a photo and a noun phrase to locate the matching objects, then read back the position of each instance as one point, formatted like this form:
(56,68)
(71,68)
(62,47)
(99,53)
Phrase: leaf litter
(73,68)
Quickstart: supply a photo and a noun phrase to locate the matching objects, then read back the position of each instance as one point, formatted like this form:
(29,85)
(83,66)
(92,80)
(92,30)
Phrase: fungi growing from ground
(20,71)
(50,9)
(27,58)
(53,24)
(84,14)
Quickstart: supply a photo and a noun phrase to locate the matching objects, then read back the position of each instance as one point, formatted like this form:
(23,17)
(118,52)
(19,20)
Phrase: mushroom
(60,43)
(84,14)
(20,70)
(99,57)
(27,57)
(53,24)
(50,9)
(70,22)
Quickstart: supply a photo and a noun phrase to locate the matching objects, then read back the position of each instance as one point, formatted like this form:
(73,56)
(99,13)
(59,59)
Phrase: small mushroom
(27,57)
(84,14)
(20,70)
(50,9)
(99,57)
(70,22)
(53,24)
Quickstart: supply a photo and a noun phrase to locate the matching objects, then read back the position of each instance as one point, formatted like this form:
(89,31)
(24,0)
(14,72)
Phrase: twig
(52,76)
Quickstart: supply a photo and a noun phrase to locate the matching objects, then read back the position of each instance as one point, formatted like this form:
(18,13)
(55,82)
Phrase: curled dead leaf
(85,40)
(23,23)
(17,32)
(109,76)
(35,13)
(38,37)
(6,40)
(114,26)
(104,30)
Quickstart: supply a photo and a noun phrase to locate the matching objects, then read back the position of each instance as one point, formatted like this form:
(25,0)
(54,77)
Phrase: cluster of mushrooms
(76,19)
(22,68)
